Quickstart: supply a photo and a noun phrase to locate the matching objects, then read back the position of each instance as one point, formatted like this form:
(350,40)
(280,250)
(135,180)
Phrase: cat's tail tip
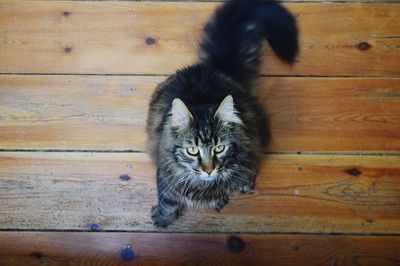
(279,29)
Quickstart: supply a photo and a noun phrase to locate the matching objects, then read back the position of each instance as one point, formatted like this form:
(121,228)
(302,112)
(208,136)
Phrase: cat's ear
(227,112)
(181,116)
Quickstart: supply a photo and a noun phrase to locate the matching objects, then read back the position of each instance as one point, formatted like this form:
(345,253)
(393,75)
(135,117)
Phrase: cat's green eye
(219,148)
(192,151)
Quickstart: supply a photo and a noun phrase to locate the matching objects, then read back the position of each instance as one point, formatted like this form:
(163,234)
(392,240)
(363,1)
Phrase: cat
(206,132)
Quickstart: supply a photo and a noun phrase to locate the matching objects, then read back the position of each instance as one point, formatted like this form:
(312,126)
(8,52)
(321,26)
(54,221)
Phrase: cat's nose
(208,167)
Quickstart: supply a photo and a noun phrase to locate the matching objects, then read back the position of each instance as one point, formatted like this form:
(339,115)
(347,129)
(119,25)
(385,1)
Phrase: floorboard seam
(202,232)
(143,152)
(166,75)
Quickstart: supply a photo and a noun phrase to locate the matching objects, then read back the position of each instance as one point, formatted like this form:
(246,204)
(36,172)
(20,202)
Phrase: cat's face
(203,147)
(204,157)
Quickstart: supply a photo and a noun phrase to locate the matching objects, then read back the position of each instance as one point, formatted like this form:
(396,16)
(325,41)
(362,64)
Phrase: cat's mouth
(208,176)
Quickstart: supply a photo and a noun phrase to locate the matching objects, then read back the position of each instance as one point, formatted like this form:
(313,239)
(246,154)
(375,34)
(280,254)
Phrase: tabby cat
(206,132)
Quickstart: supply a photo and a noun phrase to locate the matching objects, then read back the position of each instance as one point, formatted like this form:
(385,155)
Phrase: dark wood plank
(110,37)
(105,113)
(28,248)
(294,193)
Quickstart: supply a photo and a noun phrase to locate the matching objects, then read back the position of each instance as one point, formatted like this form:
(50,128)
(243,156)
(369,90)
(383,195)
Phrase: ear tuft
(226,111)
(181,116)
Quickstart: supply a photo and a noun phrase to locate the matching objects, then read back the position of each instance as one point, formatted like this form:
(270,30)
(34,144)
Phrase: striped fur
(206,132)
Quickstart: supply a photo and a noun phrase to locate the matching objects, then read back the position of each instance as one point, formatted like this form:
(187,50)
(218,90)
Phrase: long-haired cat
(206,132)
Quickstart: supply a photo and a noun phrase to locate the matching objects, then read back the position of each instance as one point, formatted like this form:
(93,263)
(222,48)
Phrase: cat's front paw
(162,217)
(219,204)
(246,189)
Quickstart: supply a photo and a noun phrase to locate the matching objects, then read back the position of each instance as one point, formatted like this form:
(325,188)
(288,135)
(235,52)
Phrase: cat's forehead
(203,135)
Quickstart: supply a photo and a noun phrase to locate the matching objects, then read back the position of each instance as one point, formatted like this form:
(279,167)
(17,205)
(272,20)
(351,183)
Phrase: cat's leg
(248,186)
(165,213)
(168,207)
(218,204)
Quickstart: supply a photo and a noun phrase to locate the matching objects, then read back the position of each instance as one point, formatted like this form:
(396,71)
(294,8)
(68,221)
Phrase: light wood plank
(110,37)
(338,114)
(294,193)
(92,112)
(74,112)
(282,1)
(28,248)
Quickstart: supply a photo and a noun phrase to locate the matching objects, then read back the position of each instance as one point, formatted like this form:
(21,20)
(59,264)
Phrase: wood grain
(294,193)
(110,37)
(299,199)
(283,1)
(332,114)
(28,248)
(74,112)
(105,113)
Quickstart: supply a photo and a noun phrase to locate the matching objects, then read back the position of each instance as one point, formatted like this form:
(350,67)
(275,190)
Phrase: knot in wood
(94,227)
(127,253)
(150,41)
(354,172)
(125,177)
(363,46)
(37,255)
(67,50)
(295,248)
(235,244)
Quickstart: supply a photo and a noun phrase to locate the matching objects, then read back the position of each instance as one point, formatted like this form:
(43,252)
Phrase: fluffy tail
(233,38)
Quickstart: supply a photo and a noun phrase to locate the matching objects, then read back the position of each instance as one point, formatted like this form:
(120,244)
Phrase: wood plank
(74,112)
(332,114)
(110,37)
(294,193)
(102,112)
(28,248)
(283,1)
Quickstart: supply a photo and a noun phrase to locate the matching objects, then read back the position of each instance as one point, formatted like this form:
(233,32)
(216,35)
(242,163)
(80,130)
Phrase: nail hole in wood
(295,248)
(65,13)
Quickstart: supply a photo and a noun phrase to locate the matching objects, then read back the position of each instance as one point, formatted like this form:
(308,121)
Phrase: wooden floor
(76,186)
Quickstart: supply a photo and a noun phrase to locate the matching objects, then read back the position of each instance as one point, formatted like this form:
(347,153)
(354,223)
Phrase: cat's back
(195,86)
